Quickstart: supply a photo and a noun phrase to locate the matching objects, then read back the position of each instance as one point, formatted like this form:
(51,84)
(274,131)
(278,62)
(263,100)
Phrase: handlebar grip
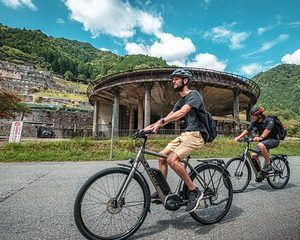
(148,132)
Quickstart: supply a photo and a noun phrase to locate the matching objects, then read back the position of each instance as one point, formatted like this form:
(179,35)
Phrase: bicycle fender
(211,163)
(281,156)
(128,168)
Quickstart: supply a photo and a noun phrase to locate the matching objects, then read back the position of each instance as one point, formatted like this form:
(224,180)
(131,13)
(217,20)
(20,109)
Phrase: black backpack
(210,125)
(281,132)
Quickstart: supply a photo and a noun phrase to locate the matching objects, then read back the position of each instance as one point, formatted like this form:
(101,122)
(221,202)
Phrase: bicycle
(240,169)
(113,203)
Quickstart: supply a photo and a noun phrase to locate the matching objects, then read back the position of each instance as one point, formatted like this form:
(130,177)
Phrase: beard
(178,87)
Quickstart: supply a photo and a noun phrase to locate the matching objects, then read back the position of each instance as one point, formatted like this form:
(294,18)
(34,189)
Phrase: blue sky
(238,36)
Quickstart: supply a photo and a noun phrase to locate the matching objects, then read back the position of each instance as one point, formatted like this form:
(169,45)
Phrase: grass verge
(85,149)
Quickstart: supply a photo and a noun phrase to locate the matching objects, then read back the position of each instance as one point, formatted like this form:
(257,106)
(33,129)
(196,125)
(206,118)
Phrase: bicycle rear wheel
(97,213)
(240,174)
(281,175)
(217,197)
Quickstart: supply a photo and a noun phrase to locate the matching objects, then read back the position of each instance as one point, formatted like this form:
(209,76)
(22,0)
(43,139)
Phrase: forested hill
(280,93)
(280,89)
(62,55)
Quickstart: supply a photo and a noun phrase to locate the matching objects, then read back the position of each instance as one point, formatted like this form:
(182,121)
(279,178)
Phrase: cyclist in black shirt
(267,139)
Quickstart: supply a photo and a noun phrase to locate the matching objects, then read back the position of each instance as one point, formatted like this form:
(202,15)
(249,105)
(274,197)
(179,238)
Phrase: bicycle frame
(247,157)
(141,159)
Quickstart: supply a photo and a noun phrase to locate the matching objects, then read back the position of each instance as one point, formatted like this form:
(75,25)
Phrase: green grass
(85,149)
(62,95)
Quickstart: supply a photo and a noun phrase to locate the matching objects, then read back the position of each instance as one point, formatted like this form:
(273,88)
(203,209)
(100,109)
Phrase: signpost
(16,132)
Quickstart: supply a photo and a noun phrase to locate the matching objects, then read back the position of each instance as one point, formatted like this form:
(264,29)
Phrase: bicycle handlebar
(246,140)
(141,133)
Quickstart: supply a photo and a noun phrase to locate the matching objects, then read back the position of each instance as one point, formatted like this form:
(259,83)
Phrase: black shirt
(259,127)
(194,99)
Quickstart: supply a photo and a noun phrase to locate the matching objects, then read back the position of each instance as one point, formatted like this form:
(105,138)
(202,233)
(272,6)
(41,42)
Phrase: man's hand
(154,127)
(257,139)
(237,138)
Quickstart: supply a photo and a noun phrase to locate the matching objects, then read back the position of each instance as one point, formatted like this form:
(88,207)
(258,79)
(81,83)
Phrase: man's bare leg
(264,152)
(173,161)
(163,164)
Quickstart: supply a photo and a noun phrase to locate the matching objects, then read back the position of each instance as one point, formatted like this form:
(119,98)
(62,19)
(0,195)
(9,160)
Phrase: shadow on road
(185,222)
(266,187)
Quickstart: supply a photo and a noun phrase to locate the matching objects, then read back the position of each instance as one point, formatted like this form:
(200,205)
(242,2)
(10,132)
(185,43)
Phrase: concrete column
(140,114)
(201,91)
(236,110)
(147,104)
(248,118)
(96,118)
(131,117)
(116,109)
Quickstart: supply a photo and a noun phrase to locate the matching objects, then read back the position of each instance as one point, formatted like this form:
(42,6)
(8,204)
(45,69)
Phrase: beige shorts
(185,143)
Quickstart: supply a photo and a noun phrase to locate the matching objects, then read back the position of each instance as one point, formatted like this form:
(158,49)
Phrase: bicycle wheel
(97,213)
(217,197)
(281,175)
(240,174)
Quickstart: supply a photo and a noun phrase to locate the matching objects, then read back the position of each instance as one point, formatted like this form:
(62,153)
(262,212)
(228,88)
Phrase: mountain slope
(61,55)
(280,89)
(280,94)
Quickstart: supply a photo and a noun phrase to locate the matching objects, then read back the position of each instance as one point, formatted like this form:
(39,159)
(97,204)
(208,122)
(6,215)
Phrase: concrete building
(133,99)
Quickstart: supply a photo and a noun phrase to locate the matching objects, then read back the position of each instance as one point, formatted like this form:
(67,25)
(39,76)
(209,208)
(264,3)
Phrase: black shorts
(269,144)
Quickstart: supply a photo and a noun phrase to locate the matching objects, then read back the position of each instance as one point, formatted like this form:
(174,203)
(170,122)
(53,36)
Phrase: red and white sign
(16,131)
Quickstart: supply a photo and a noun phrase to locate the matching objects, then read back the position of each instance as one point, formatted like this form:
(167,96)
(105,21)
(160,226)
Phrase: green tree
(68,75)
(10,104)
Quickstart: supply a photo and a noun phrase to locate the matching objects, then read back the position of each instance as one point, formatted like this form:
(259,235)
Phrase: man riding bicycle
(191,139)
(267,139)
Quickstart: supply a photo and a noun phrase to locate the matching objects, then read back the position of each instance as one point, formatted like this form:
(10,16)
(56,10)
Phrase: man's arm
(172,116)
(151,127)
(265,133)
(244,133)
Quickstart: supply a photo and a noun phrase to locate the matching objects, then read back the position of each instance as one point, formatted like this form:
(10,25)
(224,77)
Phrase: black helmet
(180,72)
(256,111)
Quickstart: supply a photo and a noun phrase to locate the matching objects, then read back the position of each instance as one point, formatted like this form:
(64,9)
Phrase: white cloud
(112,17)
(60,21)
(167,46)
(268,45)
(293,58)
(104,49)
(134,48)
(251,69)
(254,68)
(15,4)
(262,30)
(224,34)
(294,24)
(207,60)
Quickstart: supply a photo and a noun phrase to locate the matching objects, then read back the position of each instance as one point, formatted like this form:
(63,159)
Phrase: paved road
(36,202)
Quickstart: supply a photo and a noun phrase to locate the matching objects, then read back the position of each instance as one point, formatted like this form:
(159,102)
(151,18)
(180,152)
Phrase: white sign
(16,131)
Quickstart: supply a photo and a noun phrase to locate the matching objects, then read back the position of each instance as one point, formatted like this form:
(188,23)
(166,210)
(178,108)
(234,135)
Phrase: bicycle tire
(204,214)
(236,177)
(280,165)
(112,178)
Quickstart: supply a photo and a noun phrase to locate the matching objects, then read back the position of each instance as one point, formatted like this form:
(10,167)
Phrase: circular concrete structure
(150,90)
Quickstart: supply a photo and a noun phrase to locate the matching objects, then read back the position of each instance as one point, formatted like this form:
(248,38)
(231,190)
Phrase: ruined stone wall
(64,124)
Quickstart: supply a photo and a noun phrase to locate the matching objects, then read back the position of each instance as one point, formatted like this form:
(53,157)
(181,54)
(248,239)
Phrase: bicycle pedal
(156,201)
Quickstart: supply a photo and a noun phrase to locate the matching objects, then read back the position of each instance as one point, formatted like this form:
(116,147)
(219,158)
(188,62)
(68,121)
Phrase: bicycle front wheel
(240,174)
(97,213)
(281,175)
(217,195)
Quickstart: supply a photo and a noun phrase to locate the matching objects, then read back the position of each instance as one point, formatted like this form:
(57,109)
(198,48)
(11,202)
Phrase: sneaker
(259,177)
(194,200)
(267,167)
(155,198)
